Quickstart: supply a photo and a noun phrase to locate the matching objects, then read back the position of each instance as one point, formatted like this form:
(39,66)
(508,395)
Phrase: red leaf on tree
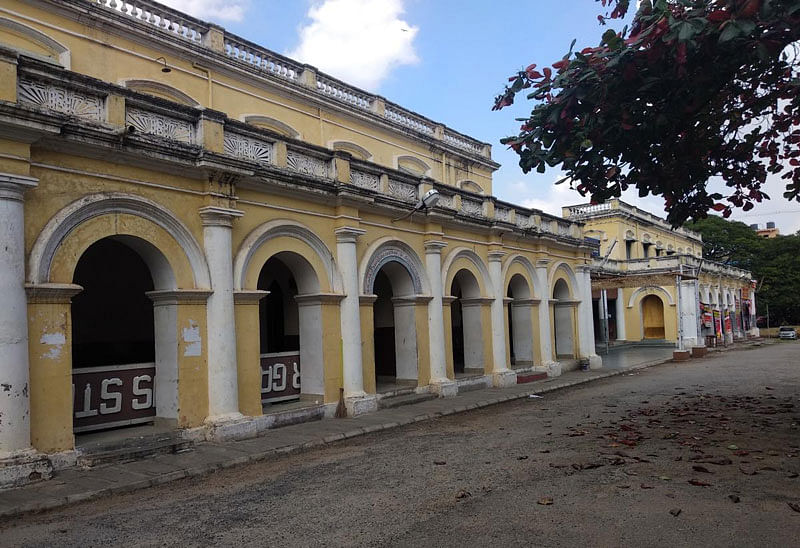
(719,207)
(717,16)
(560,64)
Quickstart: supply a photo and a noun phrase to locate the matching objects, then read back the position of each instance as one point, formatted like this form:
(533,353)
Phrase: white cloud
(358,41)
(214,10)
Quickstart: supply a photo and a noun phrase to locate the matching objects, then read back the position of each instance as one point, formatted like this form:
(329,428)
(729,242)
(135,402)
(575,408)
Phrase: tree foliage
(731,243)
(694,89)
(774,263)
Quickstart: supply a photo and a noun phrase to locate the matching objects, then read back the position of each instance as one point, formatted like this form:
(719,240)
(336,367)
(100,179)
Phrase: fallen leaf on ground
(734,498)
(733,447)
(675,511)
(792,475)
(439,462)
(522,457)
(646,486)
(463,494)
(544,451)
(699,483)
(545,501)
(747,472)
(794,506)
(703,469)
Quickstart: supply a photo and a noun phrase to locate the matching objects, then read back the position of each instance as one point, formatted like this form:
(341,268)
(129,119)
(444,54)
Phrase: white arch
(142,85)
(59,50)
(291,229)
(529,268)
(95,205)
(475,259)
(357,151)
(654,288)
(470,186)
(386,250)
(272,124)
(573,281)
(412,165)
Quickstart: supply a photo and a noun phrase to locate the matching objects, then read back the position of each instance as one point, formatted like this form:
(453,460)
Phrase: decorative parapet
(472,207)
(307,164)
(48,96)
(168,20)
(502,214)
(341,91)
(160,125)
(263,62)
(248,148)
(363,179)
(403,191)
(615,206)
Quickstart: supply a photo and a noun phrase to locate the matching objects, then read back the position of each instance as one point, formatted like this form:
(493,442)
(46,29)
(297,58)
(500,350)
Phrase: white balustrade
(463,142)
(262,59)
(159,16)
(408,119)
(343,92)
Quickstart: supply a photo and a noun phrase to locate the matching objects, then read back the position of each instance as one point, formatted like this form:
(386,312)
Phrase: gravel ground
(703,453)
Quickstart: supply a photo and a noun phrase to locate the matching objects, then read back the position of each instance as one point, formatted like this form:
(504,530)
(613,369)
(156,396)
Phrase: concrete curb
(50,503)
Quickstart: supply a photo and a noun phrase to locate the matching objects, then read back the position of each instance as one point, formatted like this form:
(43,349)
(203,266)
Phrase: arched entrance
(124,367)
(290,331)
(465,317)
(563,331)
(394,326)
(520,328)
(653,317)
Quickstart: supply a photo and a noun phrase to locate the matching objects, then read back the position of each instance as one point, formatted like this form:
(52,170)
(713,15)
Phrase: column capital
(51,293)
(311,299)
(434,246)
(583,268)
(219,216)
(12,187)
(496,255)
(178,296)
(542,263)
(348,234)
(249,296)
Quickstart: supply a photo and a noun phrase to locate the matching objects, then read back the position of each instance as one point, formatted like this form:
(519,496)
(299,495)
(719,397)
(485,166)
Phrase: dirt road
(705,453)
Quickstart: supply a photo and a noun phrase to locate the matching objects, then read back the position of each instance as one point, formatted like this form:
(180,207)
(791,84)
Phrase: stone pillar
(586,347)
(357,401)
(620,309)
(690,308)
(501,375)
(440,383)
(223,396)
(15,429)
(550,366)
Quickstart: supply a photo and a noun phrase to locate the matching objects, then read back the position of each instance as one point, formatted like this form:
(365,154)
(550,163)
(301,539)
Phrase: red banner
(110,396)
(280,377)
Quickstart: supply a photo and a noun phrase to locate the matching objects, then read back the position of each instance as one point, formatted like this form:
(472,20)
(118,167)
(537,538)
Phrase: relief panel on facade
(363,179)
(61,100)
(308,165)
(403,191)
(158,125)
(246,148)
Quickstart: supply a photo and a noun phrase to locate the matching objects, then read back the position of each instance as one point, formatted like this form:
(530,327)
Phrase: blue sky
(445,59)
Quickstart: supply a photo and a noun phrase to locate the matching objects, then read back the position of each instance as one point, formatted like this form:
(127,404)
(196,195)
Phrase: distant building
(770,232)
(642,263)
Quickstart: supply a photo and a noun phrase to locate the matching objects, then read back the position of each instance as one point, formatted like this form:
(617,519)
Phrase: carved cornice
(51,293)
(179,296)
(219,216)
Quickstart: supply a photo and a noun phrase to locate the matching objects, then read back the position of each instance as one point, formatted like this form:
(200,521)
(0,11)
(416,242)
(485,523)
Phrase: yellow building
(198,230)
(655,283)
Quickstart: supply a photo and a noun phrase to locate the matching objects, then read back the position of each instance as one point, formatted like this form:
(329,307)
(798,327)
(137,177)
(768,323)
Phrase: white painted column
(586,348)
(15,427)
(357,401)
(620,310)
(501,374)
(223,392)
(433,265)
(551,367)
(690,308)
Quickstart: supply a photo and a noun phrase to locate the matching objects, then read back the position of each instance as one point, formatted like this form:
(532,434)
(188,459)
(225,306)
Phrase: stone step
(469,384)
(523,378)
(130,449)
(405,399)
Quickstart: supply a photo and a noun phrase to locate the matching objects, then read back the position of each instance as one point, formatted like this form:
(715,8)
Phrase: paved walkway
(71,486)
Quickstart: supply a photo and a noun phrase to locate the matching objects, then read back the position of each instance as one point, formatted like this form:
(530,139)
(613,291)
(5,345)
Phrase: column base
(504,379)
(444,388)
(699,351)
(681,355)
(24,467)
(361,405)
(595,361)
(228,427)
(553,369)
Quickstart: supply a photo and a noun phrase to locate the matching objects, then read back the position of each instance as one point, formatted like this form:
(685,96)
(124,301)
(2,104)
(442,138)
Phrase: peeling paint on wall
(191,336)
(54,343)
